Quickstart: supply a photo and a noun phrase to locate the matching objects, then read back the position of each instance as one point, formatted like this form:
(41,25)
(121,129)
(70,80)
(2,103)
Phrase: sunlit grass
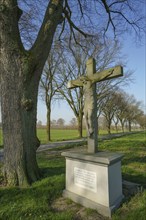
(63,134)
(134,149)
(58,134)
(134,209)
(35,202)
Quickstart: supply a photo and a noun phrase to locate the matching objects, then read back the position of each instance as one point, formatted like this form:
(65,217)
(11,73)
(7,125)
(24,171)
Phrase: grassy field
(43,199)
(62,134)
(56,134)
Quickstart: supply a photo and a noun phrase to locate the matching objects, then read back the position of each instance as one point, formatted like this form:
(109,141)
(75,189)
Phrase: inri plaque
(85,179)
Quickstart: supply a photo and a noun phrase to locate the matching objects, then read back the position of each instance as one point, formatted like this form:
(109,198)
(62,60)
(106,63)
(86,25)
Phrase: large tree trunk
(19,87)
(19,102)
(19,79)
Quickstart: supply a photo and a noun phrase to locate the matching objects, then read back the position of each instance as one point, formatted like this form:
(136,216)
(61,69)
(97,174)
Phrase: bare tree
(22,66)
(121,108)
(133,111)
(109,109)
(116,122)
(127,109)
(114,108)
(141,120)
(48,87)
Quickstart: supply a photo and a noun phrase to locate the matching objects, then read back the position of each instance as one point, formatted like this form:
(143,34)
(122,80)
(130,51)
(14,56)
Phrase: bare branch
(117,2)
(72,24)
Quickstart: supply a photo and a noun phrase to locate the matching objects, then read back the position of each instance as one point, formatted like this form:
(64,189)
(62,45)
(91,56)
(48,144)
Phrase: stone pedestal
(94,180)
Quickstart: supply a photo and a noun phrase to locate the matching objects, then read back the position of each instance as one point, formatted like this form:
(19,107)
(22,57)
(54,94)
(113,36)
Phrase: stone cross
(88,83)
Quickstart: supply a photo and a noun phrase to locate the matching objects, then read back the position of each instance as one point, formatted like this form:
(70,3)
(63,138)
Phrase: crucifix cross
(88,83)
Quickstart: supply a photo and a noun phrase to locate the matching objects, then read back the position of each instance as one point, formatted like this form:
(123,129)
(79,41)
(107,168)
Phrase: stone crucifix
(88,83)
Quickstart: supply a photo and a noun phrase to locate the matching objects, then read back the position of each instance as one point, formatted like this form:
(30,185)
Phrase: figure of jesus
(89,104)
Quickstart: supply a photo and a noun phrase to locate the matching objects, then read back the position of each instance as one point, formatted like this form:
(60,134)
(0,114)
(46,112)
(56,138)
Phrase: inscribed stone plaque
(85,179)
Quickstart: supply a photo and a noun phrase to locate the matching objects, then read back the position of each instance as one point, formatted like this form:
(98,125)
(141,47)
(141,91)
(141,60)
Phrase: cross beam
(111,73)
(88,83)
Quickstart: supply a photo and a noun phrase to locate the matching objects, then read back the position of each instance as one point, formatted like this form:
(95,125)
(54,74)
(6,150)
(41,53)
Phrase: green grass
(134,149)
(58,134)
(133,209)
(62,134)
(36,202)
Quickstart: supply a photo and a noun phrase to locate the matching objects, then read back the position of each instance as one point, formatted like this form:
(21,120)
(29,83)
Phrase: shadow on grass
(29,203)
(140,159)
(34,201)
(133,209)
(135,178)
(53,171)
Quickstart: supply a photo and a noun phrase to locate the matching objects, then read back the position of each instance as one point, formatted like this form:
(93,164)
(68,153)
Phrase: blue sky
(136,56)
(136,60)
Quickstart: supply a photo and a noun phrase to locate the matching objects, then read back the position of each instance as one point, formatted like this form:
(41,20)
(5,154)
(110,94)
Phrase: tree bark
(49,122)
(116,126)
(80,125)
(19,103)
(19,80)
(129,125)
(109,127)
(122,123)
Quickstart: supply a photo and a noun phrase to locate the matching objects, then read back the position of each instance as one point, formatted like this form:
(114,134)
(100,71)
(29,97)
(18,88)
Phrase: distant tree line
(122,110)
(118,111)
